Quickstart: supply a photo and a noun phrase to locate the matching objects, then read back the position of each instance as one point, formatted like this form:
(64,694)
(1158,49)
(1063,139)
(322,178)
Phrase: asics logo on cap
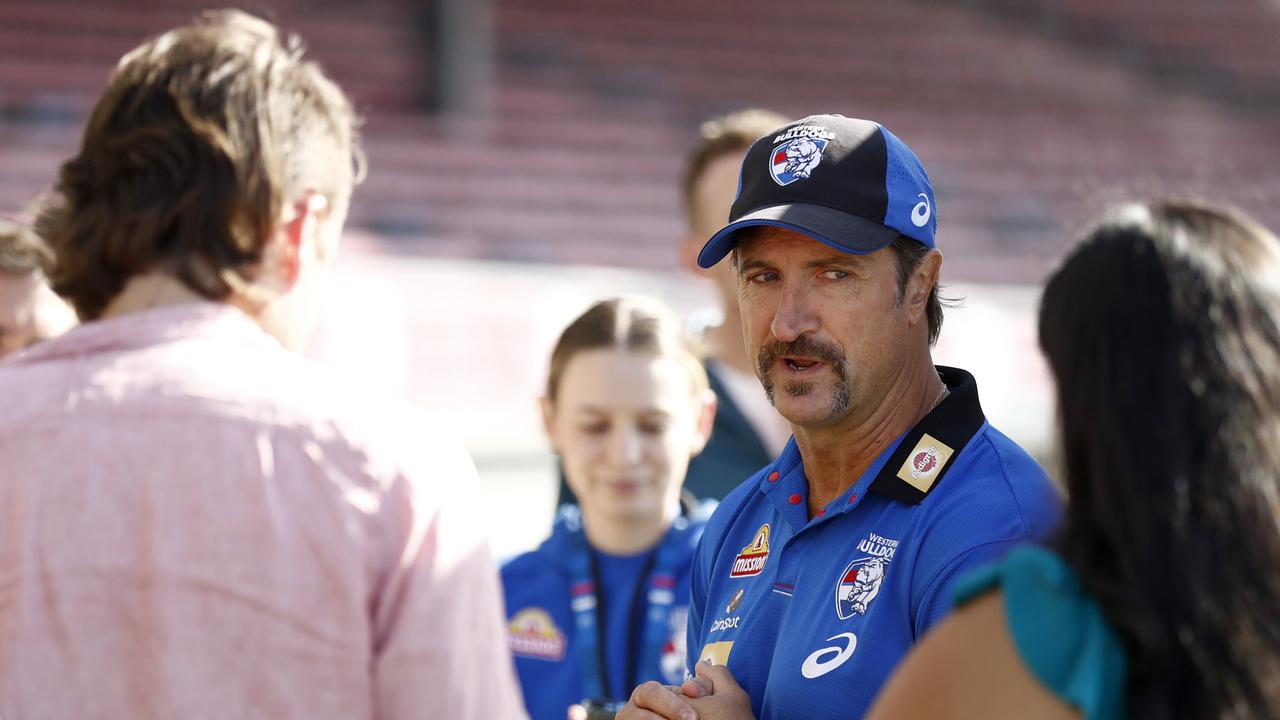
(921,213)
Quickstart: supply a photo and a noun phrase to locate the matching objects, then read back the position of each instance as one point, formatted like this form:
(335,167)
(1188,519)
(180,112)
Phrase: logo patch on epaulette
(796,159)
(532,634)
(753,557)
(926,460)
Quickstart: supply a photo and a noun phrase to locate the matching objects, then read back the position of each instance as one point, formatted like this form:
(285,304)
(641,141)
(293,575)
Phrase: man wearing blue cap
(817,575)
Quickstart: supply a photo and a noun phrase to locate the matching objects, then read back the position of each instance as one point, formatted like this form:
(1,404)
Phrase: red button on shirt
(773,476)
(795,499)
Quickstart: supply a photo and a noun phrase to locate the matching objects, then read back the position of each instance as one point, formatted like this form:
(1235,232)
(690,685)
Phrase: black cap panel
(809,162)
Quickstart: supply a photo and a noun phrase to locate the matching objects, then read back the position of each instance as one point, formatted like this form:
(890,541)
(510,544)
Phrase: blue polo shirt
(812,615)
(545,632)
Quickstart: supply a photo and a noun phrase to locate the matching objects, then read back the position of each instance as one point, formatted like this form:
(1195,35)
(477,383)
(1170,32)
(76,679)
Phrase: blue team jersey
(812,615)
(544,602)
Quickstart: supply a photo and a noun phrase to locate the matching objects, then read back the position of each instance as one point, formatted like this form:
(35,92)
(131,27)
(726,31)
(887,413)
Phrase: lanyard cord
(635,616)
(651,605)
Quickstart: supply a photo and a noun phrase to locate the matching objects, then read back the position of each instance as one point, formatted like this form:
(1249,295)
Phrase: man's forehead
(767,240)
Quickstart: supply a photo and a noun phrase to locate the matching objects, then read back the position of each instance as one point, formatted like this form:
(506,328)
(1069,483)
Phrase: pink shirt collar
(146,328)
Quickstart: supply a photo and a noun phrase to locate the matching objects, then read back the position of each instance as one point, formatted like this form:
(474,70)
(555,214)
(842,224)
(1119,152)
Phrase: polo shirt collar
(906,472)
(928,450)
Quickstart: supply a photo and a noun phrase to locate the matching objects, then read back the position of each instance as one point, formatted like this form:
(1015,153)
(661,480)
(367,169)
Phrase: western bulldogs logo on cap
(799,153)
(795,160)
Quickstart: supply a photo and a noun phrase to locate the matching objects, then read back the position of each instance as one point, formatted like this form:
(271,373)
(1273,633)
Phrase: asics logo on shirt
(829,658)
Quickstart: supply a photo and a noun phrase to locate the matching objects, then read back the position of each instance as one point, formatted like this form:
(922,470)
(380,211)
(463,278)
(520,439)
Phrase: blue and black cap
(845,182)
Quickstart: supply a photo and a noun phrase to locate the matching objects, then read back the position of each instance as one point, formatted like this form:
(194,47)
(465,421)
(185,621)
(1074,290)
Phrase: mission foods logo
(532,634)
(753,557)
(926,460)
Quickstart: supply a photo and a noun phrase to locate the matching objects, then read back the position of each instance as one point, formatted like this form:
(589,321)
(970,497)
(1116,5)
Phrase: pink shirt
(196,523)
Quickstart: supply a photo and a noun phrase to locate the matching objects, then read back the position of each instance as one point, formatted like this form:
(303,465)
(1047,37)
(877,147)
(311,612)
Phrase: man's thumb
(719,675)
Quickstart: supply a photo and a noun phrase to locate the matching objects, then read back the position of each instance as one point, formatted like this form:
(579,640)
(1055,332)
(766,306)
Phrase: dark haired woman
(601,606)
(1162,596)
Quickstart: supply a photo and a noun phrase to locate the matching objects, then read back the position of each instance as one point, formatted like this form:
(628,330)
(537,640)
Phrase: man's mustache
(803,347)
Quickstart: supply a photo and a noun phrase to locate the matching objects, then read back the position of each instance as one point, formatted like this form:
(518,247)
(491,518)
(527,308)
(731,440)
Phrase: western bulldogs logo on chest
(860,582)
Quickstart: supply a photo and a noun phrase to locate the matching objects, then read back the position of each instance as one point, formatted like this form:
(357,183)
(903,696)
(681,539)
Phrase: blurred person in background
(816,576)
(29,310)
(1161,597)
(602,604)
(748,431)
(196,522)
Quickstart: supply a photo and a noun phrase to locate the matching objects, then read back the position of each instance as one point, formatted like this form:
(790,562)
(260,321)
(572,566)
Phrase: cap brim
(855,234)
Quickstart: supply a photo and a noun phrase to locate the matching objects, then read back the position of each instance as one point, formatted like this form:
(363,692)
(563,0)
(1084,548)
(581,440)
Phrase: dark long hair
(1163,331)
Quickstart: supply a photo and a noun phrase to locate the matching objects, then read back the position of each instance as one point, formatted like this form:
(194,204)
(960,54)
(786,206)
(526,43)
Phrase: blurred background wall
(524,158)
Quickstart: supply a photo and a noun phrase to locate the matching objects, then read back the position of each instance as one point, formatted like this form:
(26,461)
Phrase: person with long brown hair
(1161,596)
(194,521)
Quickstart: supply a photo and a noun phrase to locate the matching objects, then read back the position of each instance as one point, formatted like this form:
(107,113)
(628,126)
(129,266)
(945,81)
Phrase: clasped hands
(711,694)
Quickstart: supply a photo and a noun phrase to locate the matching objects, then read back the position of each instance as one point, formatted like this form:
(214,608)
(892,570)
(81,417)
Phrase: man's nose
(795,315)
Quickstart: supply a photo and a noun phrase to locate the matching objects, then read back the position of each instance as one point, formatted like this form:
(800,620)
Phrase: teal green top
(1057,628)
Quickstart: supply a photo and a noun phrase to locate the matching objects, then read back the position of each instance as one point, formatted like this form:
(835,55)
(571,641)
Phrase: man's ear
(548,409)
(292,236)
(706,420)
(298,234)
(922,282)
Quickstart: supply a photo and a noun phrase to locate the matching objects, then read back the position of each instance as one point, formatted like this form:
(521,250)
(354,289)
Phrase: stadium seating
(1029,115)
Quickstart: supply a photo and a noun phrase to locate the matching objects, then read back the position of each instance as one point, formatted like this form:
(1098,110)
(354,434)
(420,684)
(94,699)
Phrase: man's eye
(653,428)
(835,274)
(762,277)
